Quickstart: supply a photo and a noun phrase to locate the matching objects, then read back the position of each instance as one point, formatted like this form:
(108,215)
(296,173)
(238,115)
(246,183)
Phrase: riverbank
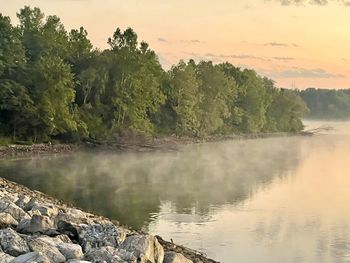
(169,143)
(37,228)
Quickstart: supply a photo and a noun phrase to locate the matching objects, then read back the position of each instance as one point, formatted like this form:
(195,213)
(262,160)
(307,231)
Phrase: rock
(43,246)
(15,211)
(71,251)
(172,257)
(36,224)
(50,241)
(34,212)
(72,215)
(45,209)
(22,201)
(4,258)
(32,257)
(144,247)
(110,255)
(64,238)
(94,235)
(11,197)
(7,220)
(11,243)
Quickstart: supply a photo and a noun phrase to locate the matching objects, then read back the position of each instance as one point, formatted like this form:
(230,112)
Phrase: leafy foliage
(326,103)
(53,84)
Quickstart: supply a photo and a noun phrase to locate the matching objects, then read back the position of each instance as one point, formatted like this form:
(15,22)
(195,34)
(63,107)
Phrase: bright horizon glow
(298,46)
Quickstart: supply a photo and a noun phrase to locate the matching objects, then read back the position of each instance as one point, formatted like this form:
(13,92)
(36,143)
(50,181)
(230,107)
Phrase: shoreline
(169,143)
(41,228)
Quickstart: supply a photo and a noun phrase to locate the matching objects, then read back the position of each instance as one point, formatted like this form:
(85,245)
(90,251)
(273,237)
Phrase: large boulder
(144,247)
(44,246)
(15,211)
(94,235)
(32,257)
(70,251)
(37,224)
(7,220)
(11,243)
(72,215)
(172,257)
(45,209)
(110,254)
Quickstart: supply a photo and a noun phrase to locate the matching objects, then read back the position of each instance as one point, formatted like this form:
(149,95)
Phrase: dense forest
(55,85)
(327,103)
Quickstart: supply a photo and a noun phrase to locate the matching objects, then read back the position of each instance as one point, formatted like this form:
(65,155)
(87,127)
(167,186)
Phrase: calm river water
(264,200)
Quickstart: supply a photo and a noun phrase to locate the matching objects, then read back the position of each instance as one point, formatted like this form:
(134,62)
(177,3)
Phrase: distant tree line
(327,103)
(54,84)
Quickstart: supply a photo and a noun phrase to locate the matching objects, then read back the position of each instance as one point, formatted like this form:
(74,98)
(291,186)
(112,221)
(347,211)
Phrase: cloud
(313,2)
(284,58)
(279,44)
(304,73)
(195,41)
(234,56)
(160,39)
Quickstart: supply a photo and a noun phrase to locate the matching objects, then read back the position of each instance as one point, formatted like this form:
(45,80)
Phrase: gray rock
(94,235)
(11,243)
(72,215)
(172,257)
(32,257)
(43,246)
(12,197)
(45,209)
(15,211)
(50,241)
(36,224)
(71,251)
(22,201)
(7,220)
(34,212)
(110,254)
(5,258)
(145,247)
(64,238)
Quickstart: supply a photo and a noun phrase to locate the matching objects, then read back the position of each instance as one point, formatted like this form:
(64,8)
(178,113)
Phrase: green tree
(54,95)
(183,94)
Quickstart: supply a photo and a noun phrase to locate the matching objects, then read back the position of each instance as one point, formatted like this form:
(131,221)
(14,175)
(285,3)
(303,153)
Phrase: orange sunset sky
(300,43)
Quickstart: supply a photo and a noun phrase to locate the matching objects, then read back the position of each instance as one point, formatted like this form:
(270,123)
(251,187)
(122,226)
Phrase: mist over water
(264,200)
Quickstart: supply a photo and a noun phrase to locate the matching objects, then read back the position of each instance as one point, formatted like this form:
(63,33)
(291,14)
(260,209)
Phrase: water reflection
(267,200)
(135,187)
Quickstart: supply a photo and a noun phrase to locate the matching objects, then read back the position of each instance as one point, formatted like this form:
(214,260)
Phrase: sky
(298,43)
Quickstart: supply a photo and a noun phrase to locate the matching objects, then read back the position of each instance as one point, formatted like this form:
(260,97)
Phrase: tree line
(55,85)
(327,103)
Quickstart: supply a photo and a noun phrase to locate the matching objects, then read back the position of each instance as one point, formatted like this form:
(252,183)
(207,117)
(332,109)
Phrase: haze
(298,45)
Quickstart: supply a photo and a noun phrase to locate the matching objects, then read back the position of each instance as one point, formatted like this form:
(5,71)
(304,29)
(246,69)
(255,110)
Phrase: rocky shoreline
(15,150)
(37,228)
(169,143)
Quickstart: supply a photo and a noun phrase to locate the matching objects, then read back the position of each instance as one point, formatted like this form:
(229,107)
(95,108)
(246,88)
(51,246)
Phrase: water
(263,200)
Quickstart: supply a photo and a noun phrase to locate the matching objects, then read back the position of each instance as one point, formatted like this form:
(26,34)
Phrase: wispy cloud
(233,56)
(160,39)
(304,73)
(313,2)
(284,58)
(280,44)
